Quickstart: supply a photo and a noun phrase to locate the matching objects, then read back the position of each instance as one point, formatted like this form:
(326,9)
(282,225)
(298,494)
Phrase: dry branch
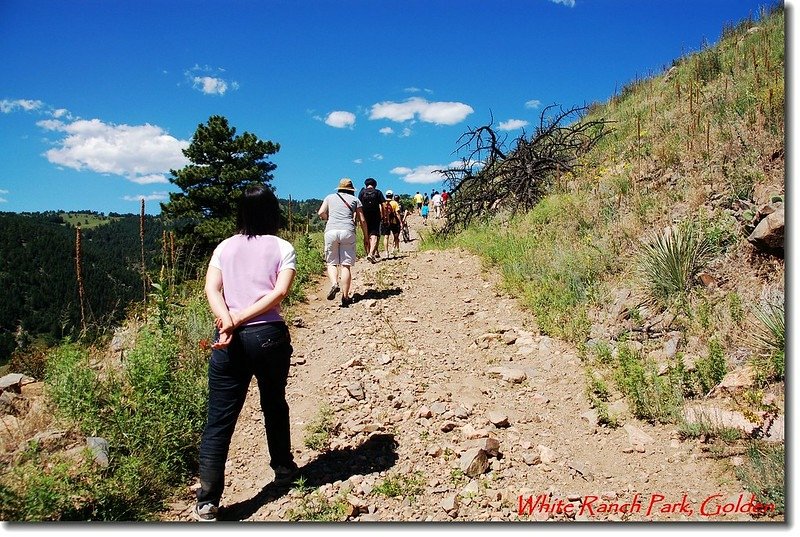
(491,175)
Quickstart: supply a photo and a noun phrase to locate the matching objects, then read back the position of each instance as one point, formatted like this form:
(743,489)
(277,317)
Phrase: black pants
(264,351)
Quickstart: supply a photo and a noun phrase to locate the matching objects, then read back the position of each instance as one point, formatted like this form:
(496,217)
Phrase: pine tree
(222,166)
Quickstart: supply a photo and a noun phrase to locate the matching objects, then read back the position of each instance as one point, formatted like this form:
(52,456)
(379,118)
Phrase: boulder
(769,233)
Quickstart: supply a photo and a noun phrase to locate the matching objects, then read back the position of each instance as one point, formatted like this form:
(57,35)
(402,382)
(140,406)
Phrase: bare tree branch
(493,175)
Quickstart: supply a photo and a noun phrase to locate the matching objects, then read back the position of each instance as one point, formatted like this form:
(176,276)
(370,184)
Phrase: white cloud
(155,196)
(438,112)
(512,124)
(421,174)
(3,193)
(406,133)
(140,153)
(358,161)
(209,81)
(7,106)
(3,200)
(568,3)
(340,119)
(149,179)
(377,156)
(533,103)
(386,130)
(414,89)
(210,85)
(50,124)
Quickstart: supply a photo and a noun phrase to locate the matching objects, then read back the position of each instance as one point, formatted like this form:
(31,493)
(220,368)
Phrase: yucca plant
(770,331)
(669,261)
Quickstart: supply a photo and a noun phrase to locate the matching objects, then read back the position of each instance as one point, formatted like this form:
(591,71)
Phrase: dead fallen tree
(494,174)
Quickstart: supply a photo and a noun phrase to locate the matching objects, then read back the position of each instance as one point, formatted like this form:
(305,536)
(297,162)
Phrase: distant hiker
(342,210)
(371,200)
(256,269)
(404,231)
(437,204)
(424,213)
(425,200)
(445,197)
(390,221)
(418,202)
(396,235)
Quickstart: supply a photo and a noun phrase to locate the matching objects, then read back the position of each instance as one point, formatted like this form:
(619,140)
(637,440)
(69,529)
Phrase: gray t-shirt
(340,213)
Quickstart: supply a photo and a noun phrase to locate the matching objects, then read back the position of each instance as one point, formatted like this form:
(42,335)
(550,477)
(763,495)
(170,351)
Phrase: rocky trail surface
(446,404)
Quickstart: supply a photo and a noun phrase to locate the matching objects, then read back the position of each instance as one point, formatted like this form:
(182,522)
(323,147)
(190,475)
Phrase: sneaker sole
(332,293)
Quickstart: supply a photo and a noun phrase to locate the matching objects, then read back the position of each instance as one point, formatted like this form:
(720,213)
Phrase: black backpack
(371,199)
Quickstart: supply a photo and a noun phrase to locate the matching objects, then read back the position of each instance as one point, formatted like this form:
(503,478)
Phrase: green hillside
(37,273)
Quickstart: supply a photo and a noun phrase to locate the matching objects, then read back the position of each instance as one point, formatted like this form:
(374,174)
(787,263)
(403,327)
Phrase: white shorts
(340,247)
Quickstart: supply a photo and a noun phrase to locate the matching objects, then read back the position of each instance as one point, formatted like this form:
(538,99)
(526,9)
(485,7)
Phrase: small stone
(498,419)
(461,412)
(353,362)
(447,426)
(474,462)
(509,338)
(547,455)
(434,451)
(424,412)
(531,459)
(490,445)
(438,408)
(540,399)
(356,391)
(450,504)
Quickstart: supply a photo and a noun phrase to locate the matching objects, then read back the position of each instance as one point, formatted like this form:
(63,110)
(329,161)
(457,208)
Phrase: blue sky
(98,98)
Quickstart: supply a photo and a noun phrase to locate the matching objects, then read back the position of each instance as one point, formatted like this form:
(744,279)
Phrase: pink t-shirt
(250,269)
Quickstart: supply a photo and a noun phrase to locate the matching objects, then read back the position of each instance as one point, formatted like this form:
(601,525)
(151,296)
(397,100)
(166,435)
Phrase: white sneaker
(206,513)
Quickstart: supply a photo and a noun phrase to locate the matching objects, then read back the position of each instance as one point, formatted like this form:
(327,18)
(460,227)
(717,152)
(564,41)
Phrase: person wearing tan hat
(343,211)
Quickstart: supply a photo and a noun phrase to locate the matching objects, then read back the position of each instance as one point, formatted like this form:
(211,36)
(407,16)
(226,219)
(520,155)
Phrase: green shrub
(151,412)
(310,265)
(707,373)
(316,508)
(410,485)
(651,397)
(319,431)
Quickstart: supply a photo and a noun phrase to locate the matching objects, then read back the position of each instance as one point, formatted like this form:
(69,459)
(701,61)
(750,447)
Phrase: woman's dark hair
(259,212)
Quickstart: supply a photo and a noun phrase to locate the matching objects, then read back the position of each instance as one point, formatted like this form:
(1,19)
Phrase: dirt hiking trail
(442,385)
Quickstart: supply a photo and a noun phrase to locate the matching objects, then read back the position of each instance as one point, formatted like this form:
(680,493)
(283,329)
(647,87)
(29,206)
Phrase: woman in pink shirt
(249,275)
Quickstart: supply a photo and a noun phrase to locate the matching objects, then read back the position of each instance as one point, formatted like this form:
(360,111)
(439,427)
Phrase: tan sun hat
(346,184)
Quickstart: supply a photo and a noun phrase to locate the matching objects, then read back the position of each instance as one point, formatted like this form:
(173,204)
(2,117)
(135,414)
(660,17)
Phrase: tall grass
(764,474)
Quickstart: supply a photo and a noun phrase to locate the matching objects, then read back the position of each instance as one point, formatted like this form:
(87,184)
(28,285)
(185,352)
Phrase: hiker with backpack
(390,221)
(371,199)
(343,211)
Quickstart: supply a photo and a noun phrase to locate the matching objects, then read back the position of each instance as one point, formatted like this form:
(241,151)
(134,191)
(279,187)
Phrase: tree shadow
(377,453)
(376,295)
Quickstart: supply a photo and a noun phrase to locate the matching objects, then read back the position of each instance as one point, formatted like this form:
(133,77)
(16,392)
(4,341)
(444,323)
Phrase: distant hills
(37,272)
